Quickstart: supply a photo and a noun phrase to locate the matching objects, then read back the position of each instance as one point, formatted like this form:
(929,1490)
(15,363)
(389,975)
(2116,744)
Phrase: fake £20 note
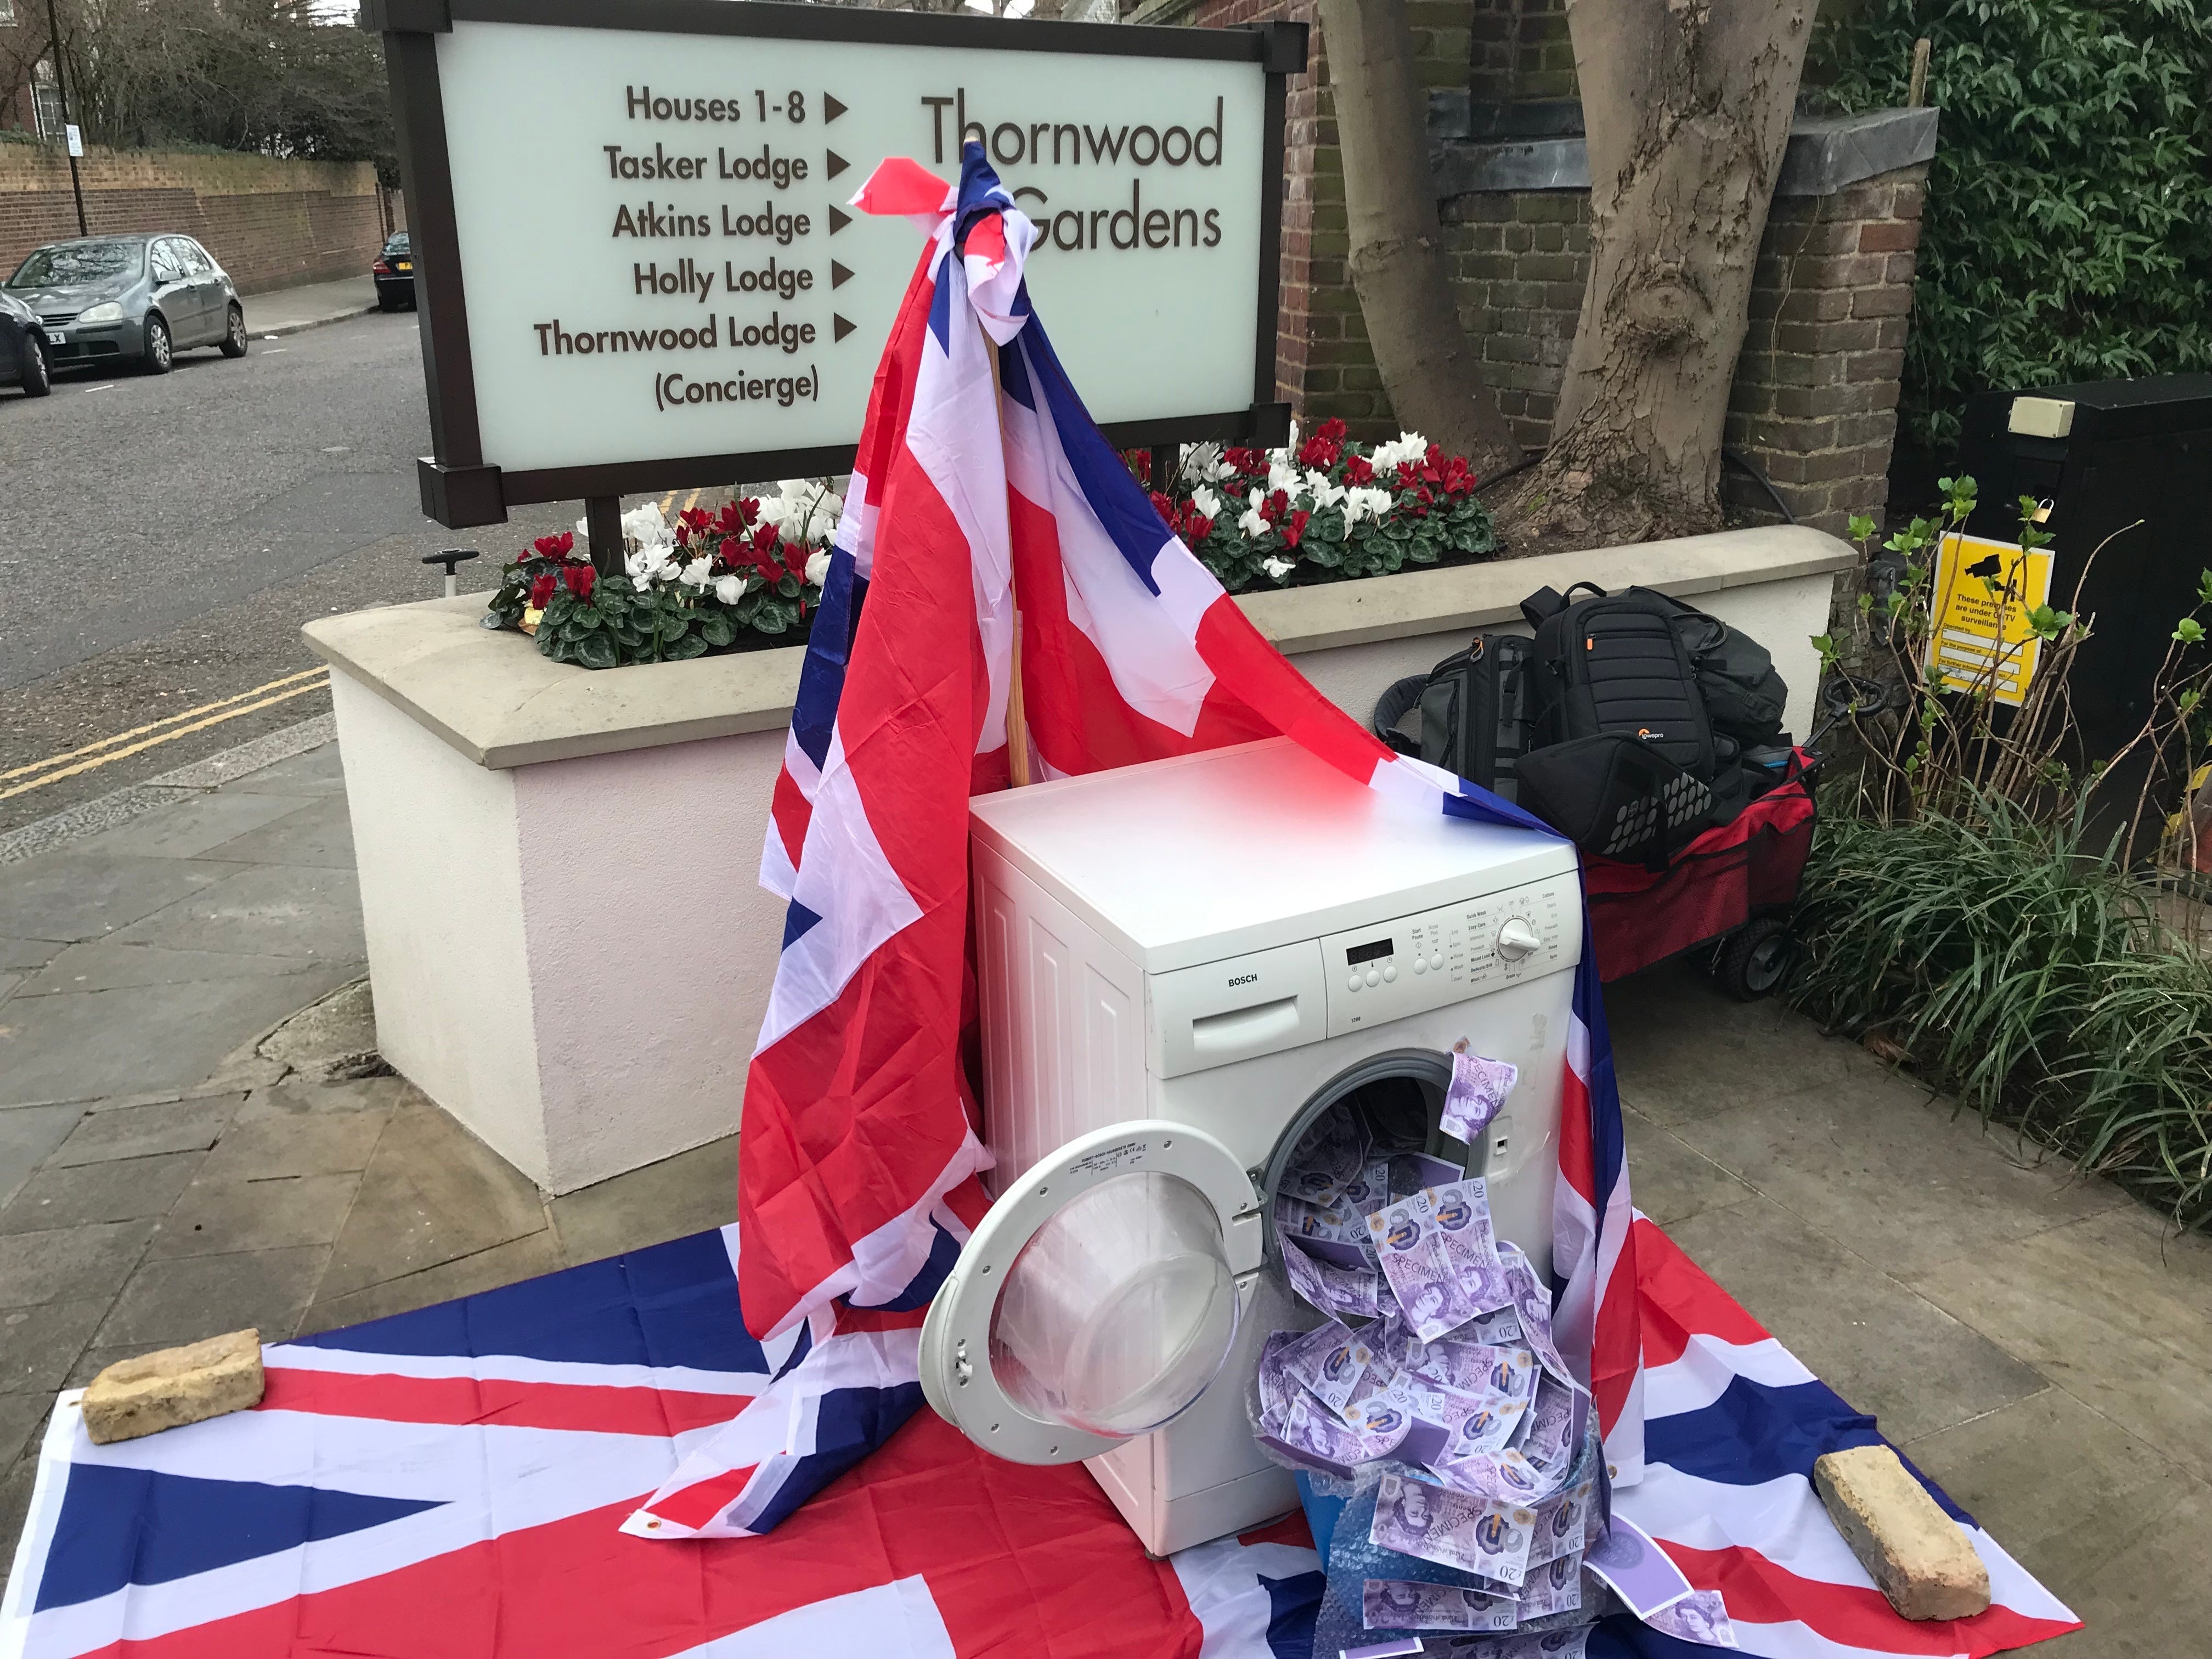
(1477,1090)
(1486,1538)
(1406,1604)
(1436,1251)
(1331,1288)
(1701,1616)
(1554,1587)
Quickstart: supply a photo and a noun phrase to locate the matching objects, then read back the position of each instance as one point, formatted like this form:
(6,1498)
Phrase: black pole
(1166,459)
(602,518)
(61,92)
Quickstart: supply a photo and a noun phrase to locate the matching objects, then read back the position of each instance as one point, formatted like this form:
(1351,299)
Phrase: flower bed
(744,577)
(1326,509)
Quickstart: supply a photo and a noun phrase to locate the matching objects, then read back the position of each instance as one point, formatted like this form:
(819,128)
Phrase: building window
(47,100)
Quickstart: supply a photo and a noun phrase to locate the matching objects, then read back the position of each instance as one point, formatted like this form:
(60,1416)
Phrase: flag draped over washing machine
(982,491)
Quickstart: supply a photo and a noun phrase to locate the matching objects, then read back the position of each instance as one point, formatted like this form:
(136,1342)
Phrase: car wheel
(385,302)
(37,379)
(234,339)
(160,351)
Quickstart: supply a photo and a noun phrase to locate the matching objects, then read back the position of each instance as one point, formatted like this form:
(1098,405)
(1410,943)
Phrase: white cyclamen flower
(1408,446)
(1282,475)
(1205,502)
(817,567)
(645,525)
(729,589)
(1202,463)
(1250,522)
(695,573)
(1324,492)
(1278,568)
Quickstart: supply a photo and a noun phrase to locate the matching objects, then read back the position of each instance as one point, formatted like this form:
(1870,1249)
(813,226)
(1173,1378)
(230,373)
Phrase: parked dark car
(394,271)
(22,349)
(130,299)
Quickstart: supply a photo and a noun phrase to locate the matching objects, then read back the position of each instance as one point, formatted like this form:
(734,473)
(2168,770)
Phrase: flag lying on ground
(982,488)
(447,1485)
(1732,1425)
(444,1485)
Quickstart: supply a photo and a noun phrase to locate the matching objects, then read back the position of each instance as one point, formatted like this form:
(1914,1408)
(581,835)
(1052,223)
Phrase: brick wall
(1814,402)
(271,223)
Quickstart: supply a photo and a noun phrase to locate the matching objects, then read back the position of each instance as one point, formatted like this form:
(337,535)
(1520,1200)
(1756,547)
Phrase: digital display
(1373,950)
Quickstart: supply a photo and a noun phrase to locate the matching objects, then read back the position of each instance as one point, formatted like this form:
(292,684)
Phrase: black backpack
(1614,666)
(1744,696)
(1474,712)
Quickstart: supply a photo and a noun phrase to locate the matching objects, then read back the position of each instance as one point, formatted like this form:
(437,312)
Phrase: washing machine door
(1099,1296)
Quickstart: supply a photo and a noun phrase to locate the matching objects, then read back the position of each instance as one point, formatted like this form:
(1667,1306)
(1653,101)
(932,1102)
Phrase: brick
(1889,236)
(1520,238)
(1549,207)
(1549,268)
(174,1386)
(1919,1556)
(1889,333)
(1873,366)
(1814,305)
(1813,337)
(1853,271)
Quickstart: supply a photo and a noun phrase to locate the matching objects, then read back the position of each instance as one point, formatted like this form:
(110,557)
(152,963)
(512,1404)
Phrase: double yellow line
(52,769)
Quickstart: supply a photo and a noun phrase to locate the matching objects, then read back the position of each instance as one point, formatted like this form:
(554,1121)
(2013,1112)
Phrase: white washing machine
(1184,964)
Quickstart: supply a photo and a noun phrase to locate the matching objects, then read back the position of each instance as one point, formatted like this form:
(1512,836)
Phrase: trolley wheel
(1755,959)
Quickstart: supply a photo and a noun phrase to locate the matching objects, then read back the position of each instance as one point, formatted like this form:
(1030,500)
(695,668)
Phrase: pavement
(179,1158)
(287,310)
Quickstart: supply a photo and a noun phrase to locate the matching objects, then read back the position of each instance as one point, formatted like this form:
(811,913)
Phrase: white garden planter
(569,949)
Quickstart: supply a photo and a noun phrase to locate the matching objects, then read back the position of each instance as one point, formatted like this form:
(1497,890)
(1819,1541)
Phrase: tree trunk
(1396,260)
(1687,105)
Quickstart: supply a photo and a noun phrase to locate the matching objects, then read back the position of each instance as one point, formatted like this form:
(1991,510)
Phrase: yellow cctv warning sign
(1983,594)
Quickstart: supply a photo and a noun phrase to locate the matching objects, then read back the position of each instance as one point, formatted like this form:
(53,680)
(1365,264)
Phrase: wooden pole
(1916,92)
(1017,726)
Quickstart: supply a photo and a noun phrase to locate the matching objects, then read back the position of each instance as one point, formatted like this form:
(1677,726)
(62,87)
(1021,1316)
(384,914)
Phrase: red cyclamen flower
(541,591)
(1296,528)
(1358,470)
(580,578)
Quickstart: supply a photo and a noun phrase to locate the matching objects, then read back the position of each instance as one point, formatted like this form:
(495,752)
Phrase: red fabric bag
(1719,882)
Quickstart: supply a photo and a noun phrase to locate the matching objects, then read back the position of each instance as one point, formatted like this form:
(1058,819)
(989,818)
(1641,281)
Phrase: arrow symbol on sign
(839,328)
(831,109)
(838,275)
(838,221)
(838,164)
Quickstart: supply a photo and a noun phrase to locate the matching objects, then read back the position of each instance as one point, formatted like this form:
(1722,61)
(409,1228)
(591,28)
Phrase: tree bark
(1429,369)
(1686,104)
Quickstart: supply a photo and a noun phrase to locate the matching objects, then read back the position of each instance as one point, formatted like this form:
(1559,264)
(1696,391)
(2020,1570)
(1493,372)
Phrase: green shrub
(2027,973)
(2069,228)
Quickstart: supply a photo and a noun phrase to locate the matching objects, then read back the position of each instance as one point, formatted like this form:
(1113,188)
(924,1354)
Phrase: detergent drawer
(1236,1008)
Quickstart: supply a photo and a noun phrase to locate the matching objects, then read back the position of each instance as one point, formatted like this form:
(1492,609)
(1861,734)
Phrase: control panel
(1387,971)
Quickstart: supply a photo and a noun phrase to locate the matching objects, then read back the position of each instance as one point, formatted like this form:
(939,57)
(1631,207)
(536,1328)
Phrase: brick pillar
(1814,404)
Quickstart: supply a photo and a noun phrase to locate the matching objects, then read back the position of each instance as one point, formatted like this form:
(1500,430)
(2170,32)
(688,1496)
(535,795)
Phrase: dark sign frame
(459,489)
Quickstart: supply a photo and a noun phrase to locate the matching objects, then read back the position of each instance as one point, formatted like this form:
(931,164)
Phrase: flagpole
(1017,726)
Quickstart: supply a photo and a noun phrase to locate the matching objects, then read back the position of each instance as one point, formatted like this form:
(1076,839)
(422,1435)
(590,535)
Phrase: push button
(1354,981)
(1374,976)
(1390,971)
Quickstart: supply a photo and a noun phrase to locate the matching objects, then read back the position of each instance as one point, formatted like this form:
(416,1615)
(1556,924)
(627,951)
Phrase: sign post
(636,271)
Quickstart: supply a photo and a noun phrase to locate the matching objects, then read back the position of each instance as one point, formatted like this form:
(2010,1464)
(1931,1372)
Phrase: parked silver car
(130,299)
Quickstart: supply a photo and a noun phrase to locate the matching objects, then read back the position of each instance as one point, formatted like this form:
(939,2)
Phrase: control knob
(1518,941)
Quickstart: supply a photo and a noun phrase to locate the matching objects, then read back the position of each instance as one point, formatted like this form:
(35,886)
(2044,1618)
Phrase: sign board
(636,267)
(75,136)
(1979,636)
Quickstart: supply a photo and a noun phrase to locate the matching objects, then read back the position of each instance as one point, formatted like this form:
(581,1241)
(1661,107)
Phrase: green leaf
(691,645)
(596,650)
(717,629)
(2188,631)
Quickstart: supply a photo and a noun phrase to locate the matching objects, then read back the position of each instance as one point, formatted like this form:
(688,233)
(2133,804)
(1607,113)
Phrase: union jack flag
(983,492)
(450,1483)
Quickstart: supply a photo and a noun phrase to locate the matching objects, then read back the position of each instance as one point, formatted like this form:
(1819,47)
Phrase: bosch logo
(1243,979)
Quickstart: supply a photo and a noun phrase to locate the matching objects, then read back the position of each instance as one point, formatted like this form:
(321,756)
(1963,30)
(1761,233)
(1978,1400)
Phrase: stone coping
(495,700)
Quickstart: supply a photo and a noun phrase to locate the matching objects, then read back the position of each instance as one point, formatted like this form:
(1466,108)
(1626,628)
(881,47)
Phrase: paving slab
(1668,1181)
(677,1196)
(1684,1051)
(38,1345)
(486,1270)
(318,772)
(28,1136)
(30,954)
(109,965)
(1883,1348)
(185,1299)
(266,910)
(277,1148)
(2114,1313)
(319,836)
(1910,1183)
(432,1194)
(213,1217)
(300,1097)
(118,1190)
(194,824)
(2106,1522)
(69,1263)
(144,1038)
(74,895)
(141,1132)
(21,1416)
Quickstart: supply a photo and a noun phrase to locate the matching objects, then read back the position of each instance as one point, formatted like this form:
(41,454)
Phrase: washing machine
(1183,965)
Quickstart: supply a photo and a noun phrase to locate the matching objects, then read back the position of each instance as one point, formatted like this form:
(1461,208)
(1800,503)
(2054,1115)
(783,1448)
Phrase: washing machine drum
(1098,1298)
